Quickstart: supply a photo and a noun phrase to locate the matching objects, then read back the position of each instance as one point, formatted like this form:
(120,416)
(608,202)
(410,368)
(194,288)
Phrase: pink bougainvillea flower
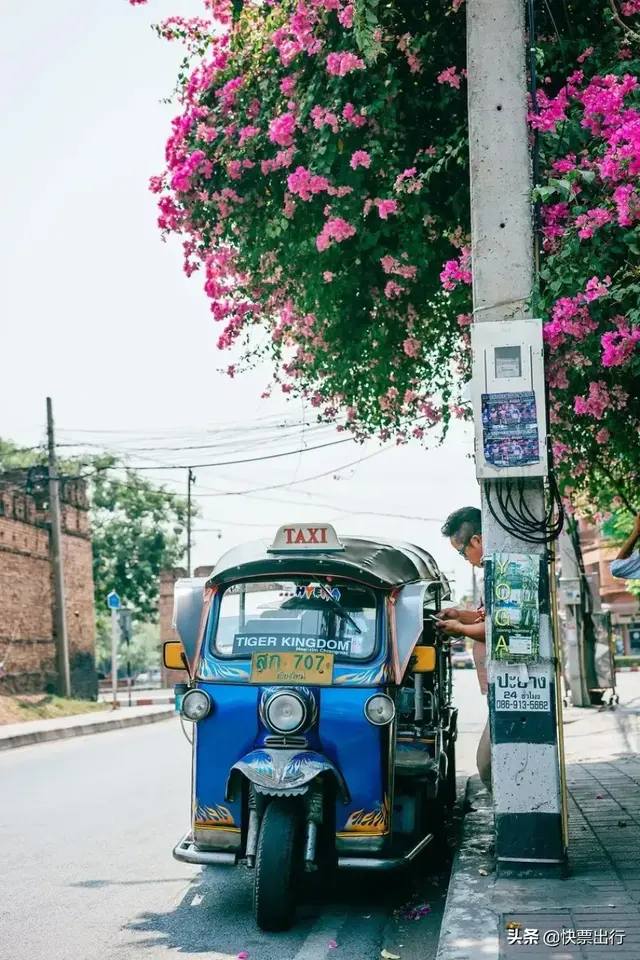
(281,129)
(305,184)
(385,207)
(287,86)
(350,115)
(450,76)
(340,64)
(345,16)
(334,229)
(596,288)
(457,271)
(391,265)
(619,346)
(246,133)
(627,202)
(393,290)
(411,347)
(360,159)
(587,223)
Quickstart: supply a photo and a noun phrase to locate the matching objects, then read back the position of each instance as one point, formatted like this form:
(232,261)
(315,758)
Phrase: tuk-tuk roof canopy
(380,563)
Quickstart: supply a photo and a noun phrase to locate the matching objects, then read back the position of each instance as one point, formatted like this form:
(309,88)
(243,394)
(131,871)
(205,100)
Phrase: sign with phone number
(513,694)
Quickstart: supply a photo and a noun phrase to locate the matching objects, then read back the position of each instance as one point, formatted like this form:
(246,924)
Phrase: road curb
(145,702)
(469,930)
(82,730)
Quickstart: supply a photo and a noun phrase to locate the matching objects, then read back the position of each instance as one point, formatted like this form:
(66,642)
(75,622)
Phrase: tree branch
(618,19)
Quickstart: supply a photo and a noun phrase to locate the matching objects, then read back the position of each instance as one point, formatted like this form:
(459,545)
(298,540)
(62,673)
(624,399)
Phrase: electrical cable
(316,476)
(219,463)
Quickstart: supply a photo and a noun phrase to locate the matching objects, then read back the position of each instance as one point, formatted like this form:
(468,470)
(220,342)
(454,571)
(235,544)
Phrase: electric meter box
(509,399)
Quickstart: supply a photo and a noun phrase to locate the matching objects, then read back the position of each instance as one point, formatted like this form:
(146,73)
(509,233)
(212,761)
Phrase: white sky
(97,313)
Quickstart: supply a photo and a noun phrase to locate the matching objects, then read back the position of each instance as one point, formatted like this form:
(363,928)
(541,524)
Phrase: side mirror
(424,659)
(172,653)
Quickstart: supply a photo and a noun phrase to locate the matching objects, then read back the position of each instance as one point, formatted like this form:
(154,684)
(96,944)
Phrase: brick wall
(27,644)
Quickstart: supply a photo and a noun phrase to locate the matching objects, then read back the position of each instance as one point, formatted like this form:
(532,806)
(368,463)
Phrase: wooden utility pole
(62,639)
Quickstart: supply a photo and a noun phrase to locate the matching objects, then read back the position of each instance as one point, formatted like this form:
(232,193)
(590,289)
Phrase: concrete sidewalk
(39,731)
(595,913)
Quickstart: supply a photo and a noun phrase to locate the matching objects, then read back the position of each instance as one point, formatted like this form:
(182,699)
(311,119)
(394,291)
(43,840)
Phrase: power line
(233,434)
(229,463)
(291,483)
(255,423)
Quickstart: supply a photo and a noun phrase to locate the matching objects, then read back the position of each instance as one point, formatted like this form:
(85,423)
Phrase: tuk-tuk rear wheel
(278,865)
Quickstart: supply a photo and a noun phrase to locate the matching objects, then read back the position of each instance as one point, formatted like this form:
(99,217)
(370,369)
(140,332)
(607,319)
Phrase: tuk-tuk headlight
(196,705)
(286,713)
(379,709)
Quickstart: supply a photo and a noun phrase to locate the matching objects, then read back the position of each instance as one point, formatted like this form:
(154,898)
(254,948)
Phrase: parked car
(462,658)
(150,678)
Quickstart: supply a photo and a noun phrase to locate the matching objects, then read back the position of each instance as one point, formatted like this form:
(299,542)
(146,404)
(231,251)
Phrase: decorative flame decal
(217,816)
(375,823)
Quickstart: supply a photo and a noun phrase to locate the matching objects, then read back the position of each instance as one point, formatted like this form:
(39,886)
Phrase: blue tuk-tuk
(320,696)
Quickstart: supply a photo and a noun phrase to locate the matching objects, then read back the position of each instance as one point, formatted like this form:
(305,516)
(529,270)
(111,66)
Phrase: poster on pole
(510,429)
(515,607)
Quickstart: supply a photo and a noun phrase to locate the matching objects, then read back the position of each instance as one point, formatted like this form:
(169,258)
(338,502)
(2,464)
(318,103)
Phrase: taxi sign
(306,538)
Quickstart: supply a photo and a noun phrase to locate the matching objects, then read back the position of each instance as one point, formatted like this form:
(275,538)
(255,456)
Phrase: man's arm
(454,628)
(628,548)
(461,616)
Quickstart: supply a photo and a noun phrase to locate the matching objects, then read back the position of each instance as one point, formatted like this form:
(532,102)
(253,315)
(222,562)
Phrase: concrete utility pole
(190,481)
(62,639)
(570,599)
(524,749)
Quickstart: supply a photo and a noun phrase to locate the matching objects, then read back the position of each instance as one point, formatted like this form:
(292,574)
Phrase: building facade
(27,621)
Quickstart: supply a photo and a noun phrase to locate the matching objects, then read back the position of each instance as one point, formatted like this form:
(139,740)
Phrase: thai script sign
(514,692)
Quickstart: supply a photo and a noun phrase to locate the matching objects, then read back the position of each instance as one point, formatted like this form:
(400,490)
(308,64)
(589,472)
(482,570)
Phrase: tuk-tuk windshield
(298,614)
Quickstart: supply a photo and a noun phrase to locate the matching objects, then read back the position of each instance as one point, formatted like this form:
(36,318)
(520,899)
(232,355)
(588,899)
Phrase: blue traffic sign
(113,601)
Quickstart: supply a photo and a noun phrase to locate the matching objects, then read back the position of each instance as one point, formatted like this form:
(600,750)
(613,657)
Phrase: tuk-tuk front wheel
(278,866)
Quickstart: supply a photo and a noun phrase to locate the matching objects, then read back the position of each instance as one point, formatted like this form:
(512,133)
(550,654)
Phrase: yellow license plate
(308,668)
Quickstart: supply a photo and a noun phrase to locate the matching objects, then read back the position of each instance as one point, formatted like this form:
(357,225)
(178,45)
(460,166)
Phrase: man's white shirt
(628,569)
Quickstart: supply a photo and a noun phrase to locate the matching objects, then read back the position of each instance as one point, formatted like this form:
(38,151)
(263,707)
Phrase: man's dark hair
(463,524)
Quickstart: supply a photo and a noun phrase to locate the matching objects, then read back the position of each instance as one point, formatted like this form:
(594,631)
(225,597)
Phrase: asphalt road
(86,832)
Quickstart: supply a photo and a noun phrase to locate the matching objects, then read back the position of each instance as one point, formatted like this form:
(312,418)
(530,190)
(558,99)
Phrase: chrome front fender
(283,772)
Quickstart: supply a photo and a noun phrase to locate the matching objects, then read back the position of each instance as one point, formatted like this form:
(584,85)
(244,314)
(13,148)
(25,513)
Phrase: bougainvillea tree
(317,175)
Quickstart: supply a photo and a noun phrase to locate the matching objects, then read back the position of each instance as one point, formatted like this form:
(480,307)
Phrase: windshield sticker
(244,643)
(316,592)
(357,645)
